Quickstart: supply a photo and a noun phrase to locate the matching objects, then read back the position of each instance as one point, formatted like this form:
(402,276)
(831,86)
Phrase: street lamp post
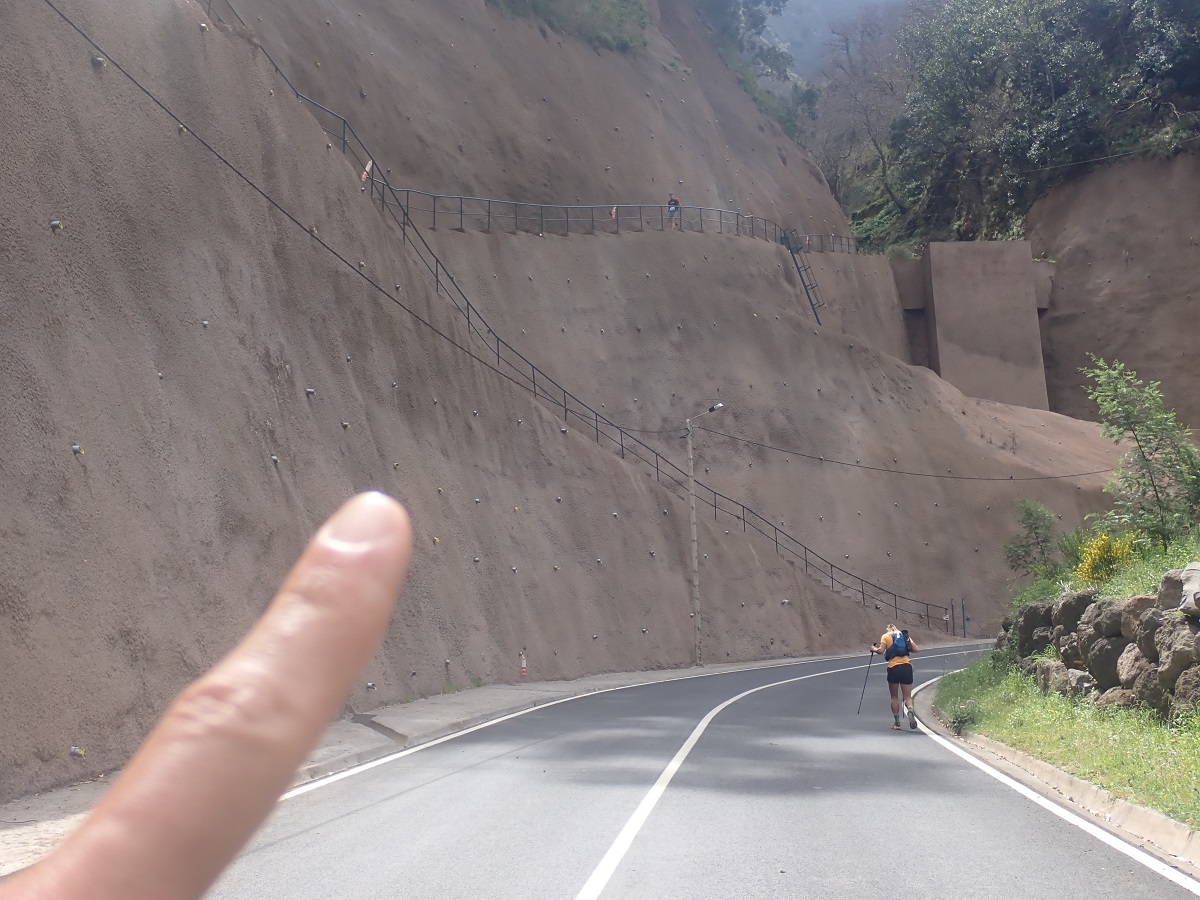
(692,516)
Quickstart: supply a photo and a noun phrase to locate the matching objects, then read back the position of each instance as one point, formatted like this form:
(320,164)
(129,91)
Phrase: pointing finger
(230,744)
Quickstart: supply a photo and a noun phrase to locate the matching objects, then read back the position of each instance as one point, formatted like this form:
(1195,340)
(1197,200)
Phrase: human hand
(214,766)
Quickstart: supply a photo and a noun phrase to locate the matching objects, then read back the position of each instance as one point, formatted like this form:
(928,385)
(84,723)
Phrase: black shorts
(901,674)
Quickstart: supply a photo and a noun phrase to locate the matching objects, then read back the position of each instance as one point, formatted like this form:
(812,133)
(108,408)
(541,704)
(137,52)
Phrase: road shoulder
(32,826)
(1168,840)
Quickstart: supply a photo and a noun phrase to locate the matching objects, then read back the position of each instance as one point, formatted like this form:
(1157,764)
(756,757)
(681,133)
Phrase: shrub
(961,715)
(1071,544)
(1145,573)
(1103,557)
(1031,549)
(1156,486)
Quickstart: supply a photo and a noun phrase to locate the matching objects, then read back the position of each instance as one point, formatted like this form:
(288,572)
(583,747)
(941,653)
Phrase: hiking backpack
(899,646)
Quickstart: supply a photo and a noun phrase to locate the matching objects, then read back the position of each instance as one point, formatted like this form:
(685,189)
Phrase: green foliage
(1156,491)
(774,61)
(1070,546)
(739,21)
(1031,550)
(1042,588)
(605,24)
(957,114)
(762,67)
(1156,487)
(1143,574)
(1138,574)
(961,715)
(1132,753)
(971,683)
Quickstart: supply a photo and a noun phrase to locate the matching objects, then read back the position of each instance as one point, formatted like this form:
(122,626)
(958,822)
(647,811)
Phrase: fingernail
(363,522)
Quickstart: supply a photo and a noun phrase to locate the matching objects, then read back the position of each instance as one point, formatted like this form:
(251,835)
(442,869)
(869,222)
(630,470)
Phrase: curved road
(786,793)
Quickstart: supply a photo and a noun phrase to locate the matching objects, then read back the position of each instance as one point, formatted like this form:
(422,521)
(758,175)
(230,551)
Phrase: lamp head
(716,407)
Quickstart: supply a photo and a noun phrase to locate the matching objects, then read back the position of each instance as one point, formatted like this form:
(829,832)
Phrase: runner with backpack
(897,648)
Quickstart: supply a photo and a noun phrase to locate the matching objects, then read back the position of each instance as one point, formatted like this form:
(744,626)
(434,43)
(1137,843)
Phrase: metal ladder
(795,246)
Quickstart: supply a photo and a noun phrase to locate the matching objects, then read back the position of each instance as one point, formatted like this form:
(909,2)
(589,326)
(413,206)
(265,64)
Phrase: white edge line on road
(608,865)
(1134,853)
(400,754)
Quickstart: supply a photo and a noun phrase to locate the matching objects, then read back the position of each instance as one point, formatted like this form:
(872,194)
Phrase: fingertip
(367,521)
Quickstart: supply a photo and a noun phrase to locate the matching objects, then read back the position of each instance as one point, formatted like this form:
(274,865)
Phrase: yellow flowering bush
(1103,557)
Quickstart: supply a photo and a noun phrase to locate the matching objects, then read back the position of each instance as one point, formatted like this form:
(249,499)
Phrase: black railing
(517,368)
(490,214)
(826,243)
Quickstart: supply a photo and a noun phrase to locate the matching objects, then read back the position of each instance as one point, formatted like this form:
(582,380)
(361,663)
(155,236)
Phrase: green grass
(1045,588)
(607,24)
(1130,752)
(1147,570)
(1141,577)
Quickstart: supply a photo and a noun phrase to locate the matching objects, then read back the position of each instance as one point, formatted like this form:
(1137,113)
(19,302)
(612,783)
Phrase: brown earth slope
(661,325)
(463,98)
(519,88)
(131,566)
(170,332)
(1126,240)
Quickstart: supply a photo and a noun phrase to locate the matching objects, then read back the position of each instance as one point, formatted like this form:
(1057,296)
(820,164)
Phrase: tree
(865,91)
(1156,486)
(1001,90)
(948,118)
(756,12)
(1031,550)
(775,61)
(739,22)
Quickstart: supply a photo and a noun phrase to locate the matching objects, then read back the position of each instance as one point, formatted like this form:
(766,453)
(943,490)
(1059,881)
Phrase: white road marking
(392,757)
(400,754)
(1136,854)
(608,865)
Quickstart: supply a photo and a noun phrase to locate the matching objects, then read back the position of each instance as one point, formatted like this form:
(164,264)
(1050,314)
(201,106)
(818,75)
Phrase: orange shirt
(885,642)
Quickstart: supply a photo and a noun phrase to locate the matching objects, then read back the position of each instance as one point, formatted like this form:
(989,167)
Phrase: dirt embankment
(171,331)
(658,326)
(462,98)
(1126,240)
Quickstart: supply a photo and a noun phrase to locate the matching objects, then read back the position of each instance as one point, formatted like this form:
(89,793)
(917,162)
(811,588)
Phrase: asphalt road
(787,793)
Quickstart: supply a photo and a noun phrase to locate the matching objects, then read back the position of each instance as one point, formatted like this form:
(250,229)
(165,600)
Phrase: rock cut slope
(432,81)
(463,98)
(162,460)
(1126,244)
(661,325)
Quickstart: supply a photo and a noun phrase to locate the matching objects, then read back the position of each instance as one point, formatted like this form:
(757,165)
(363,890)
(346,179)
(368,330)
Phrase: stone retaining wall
(1137,651)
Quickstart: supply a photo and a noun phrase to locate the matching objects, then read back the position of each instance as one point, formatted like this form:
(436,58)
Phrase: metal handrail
(514,365)
(460,210)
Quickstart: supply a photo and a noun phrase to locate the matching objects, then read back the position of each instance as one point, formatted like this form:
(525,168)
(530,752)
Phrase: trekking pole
(870,660)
